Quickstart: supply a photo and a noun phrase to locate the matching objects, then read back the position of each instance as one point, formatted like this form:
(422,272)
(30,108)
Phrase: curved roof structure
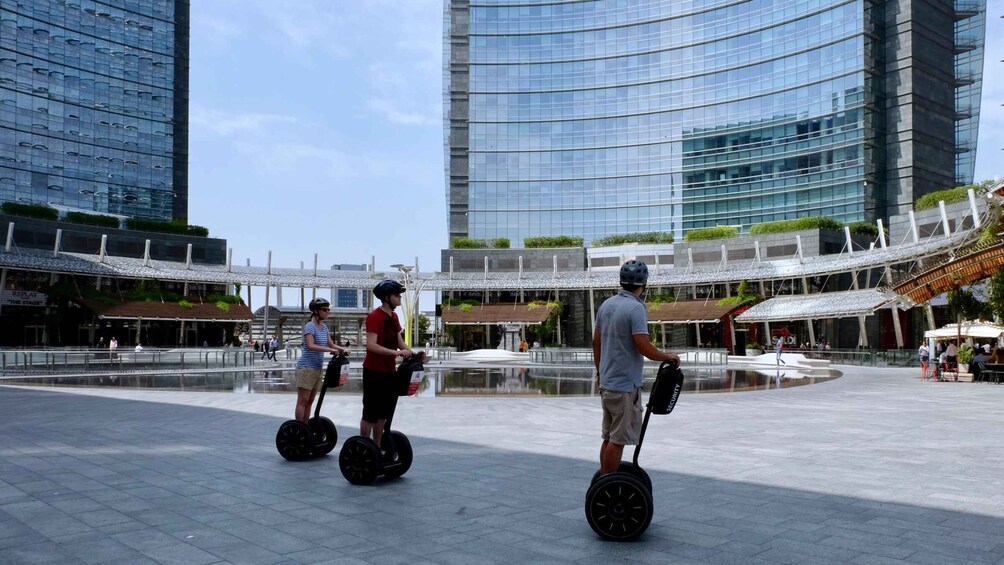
(136,268)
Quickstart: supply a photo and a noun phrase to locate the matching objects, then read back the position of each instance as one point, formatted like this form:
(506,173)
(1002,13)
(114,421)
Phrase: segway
(619,505)
(360,460)
(297,441)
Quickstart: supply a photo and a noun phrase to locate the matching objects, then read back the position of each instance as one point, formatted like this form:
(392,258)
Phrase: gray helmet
(384,289)
(318,303)
(634,272)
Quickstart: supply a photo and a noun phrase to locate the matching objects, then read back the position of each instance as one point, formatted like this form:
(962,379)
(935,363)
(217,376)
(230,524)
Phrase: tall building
(94,105)
(601,117)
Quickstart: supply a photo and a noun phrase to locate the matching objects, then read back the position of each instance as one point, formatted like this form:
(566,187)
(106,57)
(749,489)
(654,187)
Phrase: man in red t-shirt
(384,344)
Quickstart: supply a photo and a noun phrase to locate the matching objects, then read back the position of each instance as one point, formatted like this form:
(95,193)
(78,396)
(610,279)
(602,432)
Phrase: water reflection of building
(514,381)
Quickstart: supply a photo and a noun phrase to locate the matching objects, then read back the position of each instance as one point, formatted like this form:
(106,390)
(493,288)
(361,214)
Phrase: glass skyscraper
(601,117)
(94,105)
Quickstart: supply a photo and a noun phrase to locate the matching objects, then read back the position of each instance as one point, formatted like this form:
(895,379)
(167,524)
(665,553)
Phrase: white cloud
(230,123)
(394,114)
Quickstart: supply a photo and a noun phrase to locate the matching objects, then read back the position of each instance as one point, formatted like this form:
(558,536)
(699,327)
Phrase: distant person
(101,343)
(274,345)
(924,354)
(523,346)
(310,367)
(113,346)
(826,346)
(779,346)
(536,344)
(264,348)
(952,355)
(205,343)
(254,344)
(620,339)
(139,348)
(986,348)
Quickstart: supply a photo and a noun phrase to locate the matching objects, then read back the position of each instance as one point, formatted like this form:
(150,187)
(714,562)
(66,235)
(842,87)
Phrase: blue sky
(316,126)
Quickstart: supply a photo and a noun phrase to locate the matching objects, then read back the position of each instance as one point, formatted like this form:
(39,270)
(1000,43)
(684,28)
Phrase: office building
(606,117)
(94,106)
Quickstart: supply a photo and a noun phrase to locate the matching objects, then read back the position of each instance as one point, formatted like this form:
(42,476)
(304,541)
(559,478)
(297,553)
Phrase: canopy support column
(557,297)
(808,322)
(895,311)
(592,311)
(732,332)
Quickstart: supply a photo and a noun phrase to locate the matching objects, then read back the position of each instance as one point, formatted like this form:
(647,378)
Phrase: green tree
(995,286)
(423,324)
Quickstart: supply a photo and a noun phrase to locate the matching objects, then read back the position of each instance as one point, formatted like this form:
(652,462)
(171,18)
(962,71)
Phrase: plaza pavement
(873,467)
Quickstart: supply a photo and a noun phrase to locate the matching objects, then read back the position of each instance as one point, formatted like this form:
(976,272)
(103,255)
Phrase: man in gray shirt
(619,341)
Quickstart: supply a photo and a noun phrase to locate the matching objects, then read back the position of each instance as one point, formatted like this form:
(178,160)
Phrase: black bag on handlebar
(405,371)
(333,374)
(667,388)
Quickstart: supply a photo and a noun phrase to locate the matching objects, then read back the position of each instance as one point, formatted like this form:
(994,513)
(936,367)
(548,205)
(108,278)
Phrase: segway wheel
(627,467)
(360,461)
(325,435)
(399,461)
(294,440)
(619,507)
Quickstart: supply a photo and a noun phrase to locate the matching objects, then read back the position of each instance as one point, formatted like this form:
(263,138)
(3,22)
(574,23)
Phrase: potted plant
(753,349)
(965,357)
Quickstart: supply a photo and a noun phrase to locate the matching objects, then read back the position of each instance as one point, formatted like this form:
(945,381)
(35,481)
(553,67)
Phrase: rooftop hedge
(644,237)
(92,219)
(471,243)
(807,223)
(39,211)
(931,199)
(717,232)
(552,241)
(160,226)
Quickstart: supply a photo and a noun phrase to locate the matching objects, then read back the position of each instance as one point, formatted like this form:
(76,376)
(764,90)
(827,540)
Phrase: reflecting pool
(453,381)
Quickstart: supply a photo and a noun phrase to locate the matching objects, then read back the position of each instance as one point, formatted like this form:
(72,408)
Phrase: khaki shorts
(622,415)
(309,378)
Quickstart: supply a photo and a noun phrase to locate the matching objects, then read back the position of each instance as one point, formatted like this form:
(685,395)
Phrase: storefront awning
(823,305)
(496,314)
(688,311)
(198,312)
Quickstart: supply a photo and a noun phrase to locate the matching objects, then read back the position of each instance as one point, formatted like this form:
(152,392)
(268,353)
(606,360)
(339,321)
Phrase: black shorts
(379,395)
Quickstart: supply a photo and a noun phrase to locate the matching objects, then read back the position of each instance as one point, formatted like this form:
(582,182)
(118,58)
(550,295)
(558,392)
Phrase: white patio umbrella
(978,329)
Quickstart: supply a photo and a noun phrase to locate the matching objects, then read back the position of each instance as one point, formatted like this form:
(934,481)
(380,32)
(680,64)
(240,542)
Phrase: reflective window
(87,105)
(606,117)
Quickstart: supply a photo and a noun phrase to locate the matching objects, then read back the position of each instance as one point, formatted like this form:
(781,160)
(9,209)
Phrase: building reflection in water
(455,381)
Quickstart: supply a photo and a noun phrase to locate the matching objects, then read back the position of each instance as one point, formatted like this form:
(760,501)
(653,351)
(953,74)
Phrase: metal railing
(866,357)
(13,362)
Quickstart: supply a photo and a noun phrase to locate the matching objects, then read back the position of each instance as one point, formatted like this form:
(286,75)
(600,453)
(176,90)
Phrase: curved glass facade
(94,105)
(601,117)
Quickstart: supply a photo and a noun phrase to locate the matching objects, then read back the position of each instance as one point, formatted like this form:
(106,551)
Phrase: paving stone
(819,480)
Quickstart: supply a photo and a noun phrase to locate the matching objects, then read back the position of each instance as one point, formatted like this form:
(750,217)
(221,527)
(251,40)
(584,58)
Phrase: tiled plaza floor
(874,467)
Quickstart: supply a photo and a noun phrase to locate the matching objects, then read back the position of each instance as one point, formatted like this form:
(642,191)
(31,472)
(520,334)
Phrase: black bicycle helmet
(386,288)
(634,272)
(318,303)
